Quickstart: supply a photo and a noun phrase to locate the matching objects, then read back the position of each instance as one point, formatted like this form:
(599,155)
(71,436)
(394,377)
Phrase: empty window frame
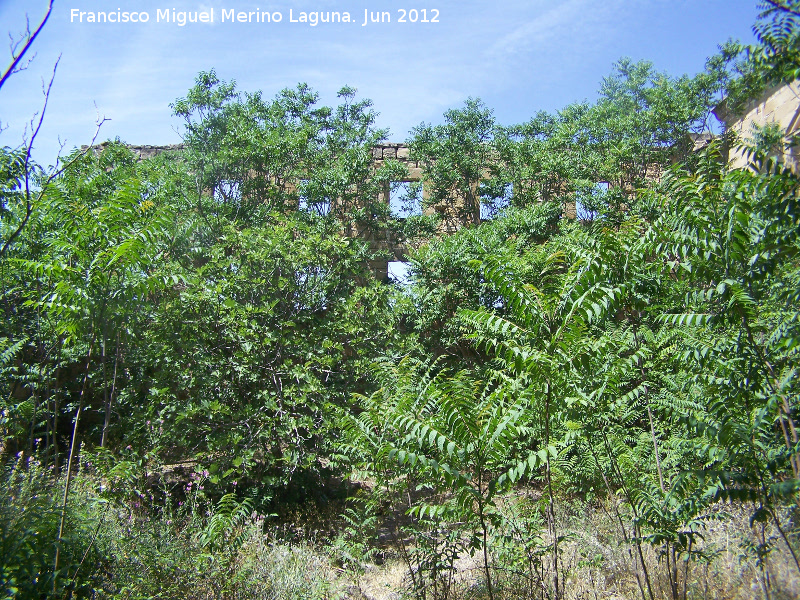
(405,199)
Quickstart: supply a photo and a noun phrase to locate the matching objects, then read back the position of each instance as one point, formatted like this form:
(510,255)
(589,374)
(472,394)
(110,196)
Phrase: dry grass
(597,564)
(729,570)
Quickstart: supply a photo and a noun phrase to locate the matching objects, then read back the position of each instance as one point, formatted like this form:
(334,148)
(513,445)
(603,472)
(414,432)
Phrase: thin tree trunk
(50,420)
(652,424)
(611,495)
(69,463)
(784,408)
(686,569)
(633,508)
(56,456)
(110,400)
(655,444)
(484,529)
(672,570)
(785,538)
(104,345)
(551,517)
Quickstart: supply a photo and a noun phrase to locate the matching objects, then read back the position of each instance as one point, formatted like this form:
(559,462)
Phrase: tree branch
(30,202)
(29,39)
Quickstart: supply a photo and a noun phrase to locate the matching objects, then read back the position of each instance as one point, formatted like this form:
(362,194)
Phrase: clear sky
(518,56)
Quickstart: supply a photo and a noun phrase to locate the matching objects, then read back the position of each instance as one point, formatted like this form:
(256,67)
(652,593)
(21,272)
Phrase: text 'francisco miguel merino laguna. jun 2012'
(310,18)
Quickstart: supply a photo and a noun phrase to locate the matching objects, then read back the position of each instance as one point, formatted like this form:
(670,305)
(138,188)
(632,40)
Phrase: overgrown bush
(30,516)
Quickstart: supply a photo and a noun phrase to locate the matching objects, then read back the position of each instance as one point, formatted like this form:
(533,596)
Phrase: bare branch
(28,151)
(17,53)
(14,45)
(30,200)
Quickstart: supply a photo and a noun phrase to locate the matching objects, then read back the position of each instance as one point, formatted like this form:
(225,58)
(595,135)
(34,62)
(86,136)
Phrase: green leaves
(455,158)
(225,527)
(530,466)
(453,433)
(257,355)
(254,156)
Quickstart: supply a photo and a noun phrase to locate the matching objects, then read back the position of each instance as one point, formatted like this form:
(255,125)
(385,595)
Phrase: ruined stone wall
(146,152)
(390,248)
(143,152)
(451,214)
(779,104)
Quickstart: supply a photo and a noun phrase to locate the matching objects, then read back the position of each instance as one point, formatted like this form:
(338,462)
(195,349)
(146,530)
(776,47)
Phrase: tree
(247,364)
(254,156)
(444,282)
(599,155)
(456,157)
(454,433)
(772,61)
(549,159)
(541,343)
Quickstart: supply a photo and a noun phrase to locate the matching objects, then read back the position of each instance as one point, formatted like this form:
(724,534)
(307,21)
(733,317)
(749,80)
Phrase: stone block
(414,174)
(785,114)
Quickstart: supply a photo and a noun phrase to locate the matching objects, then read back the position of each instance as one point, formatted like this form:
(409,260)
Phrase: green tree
(456,157)
(248,362)
(454,433)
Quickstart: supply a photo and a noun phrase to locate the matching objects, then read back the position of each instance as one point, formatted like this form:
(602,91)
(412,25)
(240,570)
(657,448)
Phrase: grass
(128,541)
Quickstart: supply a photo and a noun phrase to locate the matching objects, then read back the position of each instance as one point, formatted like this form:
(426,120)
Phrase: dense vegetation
(207,393)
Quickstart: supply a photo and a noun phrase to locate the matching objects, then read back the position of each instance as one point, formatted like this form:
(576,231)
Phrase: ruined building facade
(779,105)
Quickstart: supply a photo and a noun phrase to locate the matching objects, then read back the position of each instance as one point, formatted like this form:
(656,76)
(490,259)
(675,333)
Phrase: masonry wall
(451,216)
(779,104)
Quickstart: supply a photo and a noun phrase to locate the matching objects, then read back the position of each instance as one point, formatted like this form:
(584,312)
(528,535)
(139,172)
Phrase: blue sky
(518,56)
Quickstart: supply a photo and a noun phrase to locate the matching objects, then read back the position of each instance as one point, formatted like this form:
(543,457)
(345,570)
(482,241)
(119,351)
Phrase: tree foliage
(214,306)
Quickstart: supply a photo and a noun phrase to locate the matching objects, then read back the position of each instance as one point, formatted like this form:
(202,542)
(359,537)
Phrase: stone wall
(452,218)
(779,104)
(143,152)
(401,153)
